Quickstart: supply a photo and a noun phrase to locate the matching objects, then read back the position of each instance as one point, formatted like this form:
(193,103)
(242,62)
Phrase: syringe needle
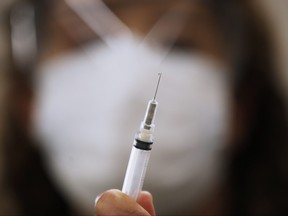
(159,78)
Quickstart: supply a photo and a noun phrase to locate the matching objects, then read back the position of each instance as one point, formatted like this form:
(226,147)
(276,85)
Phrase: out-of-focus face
(90,101)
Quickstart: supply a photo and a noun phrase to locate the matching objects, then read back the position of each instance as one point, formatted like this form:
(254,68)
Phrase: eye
(183,45)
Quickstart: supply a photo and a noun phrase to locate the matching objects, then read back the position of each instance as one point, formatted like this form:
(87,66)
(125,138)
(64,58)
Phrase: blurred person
(220,111)
(7,201)
(88,99)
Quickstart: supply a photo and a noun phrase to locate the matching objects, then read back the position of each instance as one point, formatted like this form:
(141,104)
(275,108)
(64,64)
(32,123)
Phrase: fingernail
(97,198)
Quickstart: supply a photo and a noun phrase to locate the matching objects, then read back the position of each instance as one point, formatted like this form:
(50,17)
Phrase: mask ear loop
(106,25)
(100,19)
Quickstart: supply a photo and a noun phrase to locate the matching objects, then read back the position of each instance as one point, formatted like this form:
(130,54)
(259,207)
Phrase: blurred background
(75,77)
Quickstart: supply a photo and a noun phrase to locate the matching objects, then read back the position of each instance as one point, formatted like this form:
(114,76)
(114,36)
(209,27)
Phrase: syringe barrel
(140,153)
(136,171)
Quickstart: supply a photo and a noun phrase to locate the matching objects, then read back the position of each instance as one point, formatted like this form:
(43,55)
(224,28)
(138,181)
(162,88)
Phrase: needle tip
(159,78)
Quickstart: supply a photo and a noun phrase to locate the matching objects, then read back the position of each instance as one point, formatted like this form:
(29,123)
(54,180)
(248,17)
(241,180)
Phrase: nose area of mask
(89,105)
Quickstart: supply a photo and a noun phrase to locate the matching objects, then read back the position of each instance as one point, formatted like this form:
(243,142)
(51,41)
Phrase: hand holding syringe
(141,149)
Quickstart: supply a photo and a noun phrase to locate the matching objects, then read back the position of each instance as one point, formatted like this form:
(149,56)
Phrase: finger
(146,201)
(114,202)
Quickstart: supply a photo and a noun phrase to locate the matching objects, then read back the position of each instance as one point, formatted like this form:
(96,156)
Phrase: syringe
(141,150)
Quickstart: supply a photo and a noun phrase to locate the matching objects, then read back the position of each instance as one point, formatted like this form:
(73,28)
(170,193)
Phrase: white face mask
(89,105)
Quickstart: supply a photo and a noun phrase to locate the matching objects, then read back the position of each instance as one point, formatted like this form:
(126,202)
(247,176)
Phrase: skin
(114,202)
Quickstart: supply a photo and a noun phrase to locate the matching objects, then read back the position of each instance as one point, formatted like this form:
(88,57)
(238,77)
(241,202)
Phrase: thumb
(146,201)
(114,202)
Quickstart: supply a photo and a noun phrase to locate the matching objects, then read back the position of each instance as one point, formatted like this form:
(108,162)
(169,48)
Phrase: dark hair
(258,165)
(25,173)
